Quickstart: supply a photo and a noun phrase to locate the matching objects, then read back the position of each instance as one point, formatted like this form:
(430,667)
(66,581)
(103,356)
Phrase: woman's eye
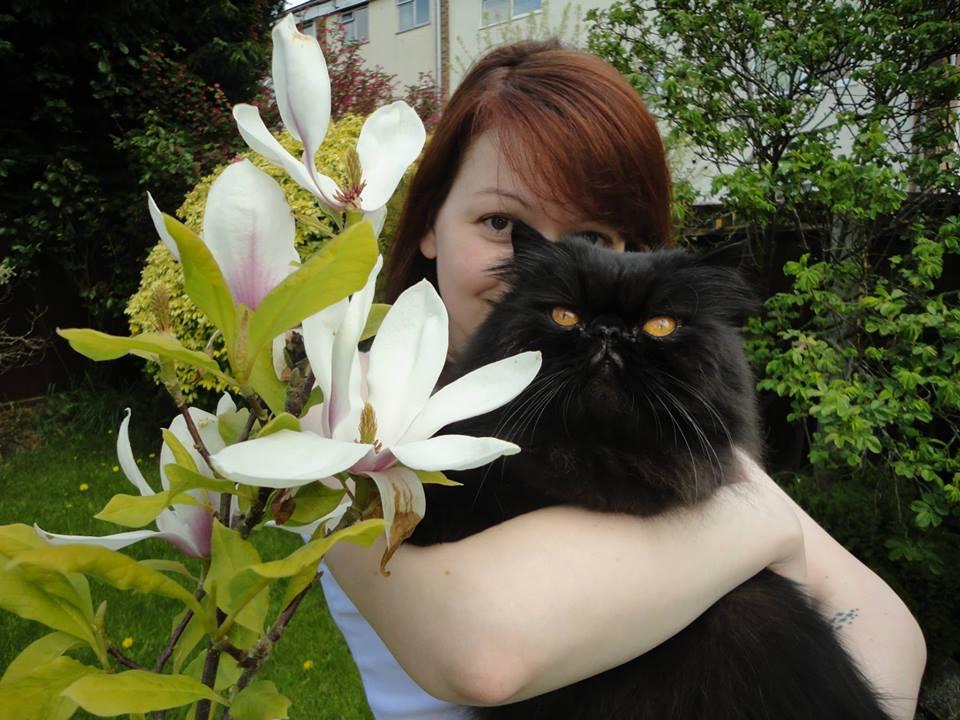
(597,238)
(498,223)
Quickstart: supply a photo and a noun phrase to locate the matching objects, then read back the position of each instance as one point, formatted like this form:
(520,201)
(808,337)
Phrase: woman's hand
(557,595)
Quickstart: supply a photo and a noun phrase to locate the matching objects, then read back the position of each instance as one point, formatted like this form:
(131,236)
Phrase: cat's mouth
(605,357)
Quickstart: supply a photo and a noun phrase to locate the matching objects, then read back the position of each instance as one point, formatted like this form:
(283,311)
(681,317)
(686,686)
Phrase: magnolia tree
(336,448)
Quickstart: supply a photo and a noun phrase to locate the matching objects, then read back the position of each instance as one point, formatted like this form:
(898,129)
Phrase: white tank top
(391,693)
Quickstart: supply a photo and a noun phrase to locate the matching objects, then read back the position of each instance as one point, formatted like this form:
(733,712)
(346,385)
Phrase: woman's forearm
(873,623)
(555,596)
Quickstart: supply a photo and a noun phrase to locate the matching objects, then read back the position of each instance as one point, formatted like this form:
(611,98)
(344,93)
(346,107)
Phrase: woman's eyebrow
(501,193)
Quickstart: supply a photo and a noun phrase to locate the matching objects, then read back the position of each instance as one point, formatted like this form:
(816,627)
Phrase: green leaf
(378,311)
(283,421)
(25,599)
(363,533)
(436,478)
(137,691)
(341,267)
(263,380)
(297,584)
(315,398)
(16,538)
(98,346)
(193,633)
(231,424)
(138,510)
(182,479)
(111,567)
(203,281)
(313,501)
(39,653)
(171,566)
(37,695)
(260,700)
(180,454)
(230,555)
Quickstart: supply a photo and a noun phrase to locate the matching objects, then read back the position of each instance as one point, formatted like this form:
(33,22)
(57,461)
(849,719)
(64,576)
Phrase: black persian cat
(643,392)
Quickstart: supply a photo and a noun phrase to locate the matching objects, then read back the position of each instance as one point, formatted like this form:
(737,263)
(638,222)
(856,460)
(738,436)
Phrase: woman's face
(472,233)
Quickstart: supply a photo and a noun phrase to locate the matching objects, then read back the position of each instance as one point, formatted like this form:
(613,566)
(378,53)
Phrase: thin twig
(260,652)
(256,513)
(177,633)
(195,434)
(211,664)
(123,659)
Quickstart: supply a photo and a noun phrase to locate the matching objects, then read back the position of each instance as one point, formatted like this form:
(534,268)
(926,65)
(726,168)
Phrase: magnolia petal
(225,404)
(319,333)
(286,459)
(262,141)
(345,402)
(206,425)
(476,393)
(161,226)
(279,361)
(390,139)
(127,462)
(404,505)
(249,229)
(452,452)
(302,86)
(111,542)
(406,359)
(376,218)
(328,521)
(191,525)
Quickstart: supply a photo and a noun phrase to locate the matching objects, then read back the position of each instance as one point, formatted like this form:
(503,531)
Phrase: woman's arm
(875,626)
(554,596)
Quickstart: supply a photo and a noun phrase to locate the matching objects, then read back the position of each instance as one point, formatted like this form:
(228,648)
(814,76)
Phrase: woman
(558,139)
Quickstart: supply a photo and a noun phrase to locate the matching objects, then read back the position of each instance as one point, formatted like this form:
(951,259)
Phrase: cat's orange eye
(564,317)
(660,326)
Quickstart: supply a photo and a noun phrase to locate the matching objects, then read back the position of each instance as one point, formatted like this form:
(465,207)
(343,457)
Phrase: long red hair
(569,125)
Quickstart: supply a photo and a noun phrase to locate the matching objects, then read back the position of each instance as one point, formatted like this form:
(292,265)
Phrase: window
(355,24)
(498,11)
(412,13)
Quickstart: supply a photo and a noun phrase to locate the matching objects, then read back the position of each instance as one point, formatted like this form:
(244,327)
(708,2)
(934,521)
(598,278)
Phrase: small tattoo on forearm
(843,618)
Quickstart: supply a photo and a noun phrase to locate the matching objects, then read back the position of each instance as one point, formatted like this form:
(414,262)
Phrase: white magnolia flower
(391,138)
(382,405)
(249,229)
(186,526)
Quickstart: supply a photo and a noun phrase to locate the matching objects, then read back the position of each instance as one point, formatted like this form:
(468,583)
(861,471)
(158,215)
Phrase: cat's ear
(526,240)
(735,255)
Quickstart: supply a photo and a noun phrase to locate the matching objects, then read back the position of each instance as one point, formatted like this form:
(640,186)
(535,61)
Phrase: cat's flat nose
(608,332)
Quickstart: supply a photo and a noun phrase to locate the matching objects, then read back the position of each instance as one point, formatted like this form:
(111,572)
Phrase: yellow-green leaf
(137,691)
(378,311)
(180,453)
(39,653)
(263,380)
(16,538)
(171,566)
(428,477)
(283,421)
(113,568)
(37,695)
(99,346)
(363,533)
(231,424)
(138,510)
(340,268)
(203,280)
(298,584)
(230,555)
(260,700)
(21,596)
(192,634)
(183,479)
(313,501)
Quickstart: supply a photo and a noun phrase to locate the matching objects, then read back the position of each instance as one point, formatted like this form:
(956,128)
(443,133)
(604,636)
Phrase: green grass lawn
(48,455)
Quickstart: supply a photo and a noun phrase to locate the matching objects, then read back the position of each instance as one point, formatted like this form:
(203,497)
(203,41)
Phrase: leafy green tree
(85,87)
(831,132)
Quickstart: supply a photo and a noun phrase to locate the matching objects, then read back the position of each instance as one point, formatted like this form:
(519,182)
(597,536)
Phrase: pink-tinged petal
(191,524)
(316,420)
(476,393)
(404,505)
(260,140)
(206,425)
(345,402)
(111,542)
(452,452)
(279,360)
(406,359)
(286,459)
(127,462)
(390,140)
(249,229)
(319,334)
(302,86)
(161,227)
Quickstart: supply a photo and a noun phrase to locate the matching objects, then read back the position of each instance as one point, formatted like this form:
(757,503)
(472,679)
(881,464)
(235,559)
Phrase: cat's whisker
(704,440)
(677,428)
(705,444)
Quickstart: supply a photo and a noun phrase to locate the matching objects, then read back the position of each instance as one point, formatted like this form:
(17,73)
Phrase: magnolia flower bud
(160,305)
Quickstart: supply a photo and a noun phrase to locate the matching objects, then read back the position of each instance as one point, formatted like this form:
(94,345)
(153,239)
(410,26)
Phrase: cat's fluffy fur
(620,421)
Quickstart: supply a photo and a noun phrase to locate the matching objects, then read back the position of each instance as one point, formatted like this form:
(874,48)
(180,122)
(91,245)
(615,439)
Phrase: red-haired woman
(556,138)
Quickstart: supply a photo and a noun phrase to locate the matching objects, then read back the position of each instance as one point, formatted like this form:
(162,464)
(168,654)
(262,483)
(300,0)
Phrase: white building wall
(404,54)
